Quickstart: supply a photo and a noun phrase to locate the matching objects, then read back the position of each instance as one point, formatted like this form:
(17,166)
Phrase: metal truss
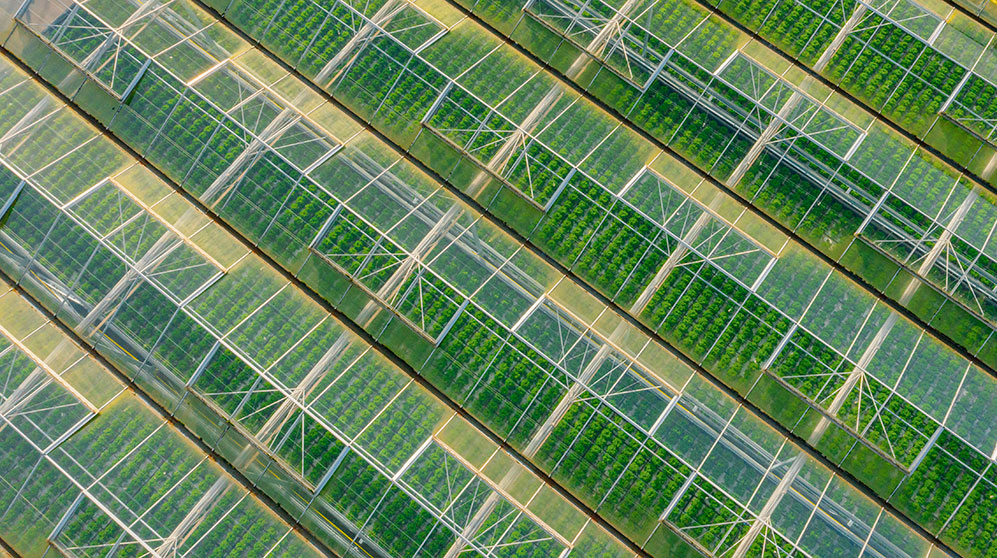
(610,34)
(489,515)
(966,112)
(931,248)
(413,282)
(243,114)
(618,387)
(899,229)
(784,106)
(294,404)
(39,396)
(395,20)
(845,393)
(290,135)
(723,433)
(292,397)
(798,113)
(509,152)
(694,229)
(100,52)
(910,16)
(766,90)
(151,251)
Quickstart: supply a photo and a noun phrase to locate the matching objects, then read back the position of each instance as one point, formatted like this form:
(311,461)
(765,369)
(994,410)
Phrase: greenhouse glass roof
(498,279)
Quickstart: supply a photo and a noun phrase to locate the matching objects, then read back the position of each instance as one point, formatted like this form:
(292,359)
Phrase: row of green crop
(886,65)
(136,469)
(974,106)
(710,517)
(803,29)
(147,317)
(358,249)
(447,484)
(827,218)
(24,524)
(77,34)
(595,463)
(895,72)
(61,245)
(824,221)
(390,438)
(107,445)
(267,185)
(366,497)
(45,412)
(510,387)
(106,209)
(811,367)
(387,434)
(897,427)
(529,424)
(973,290)
(438,476)
(428,302)
(612,470)
(357,399)
(388,85)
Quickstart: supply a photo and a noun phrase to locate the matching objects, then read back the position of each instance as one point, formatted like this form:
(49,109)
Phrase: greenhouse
(498,278)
